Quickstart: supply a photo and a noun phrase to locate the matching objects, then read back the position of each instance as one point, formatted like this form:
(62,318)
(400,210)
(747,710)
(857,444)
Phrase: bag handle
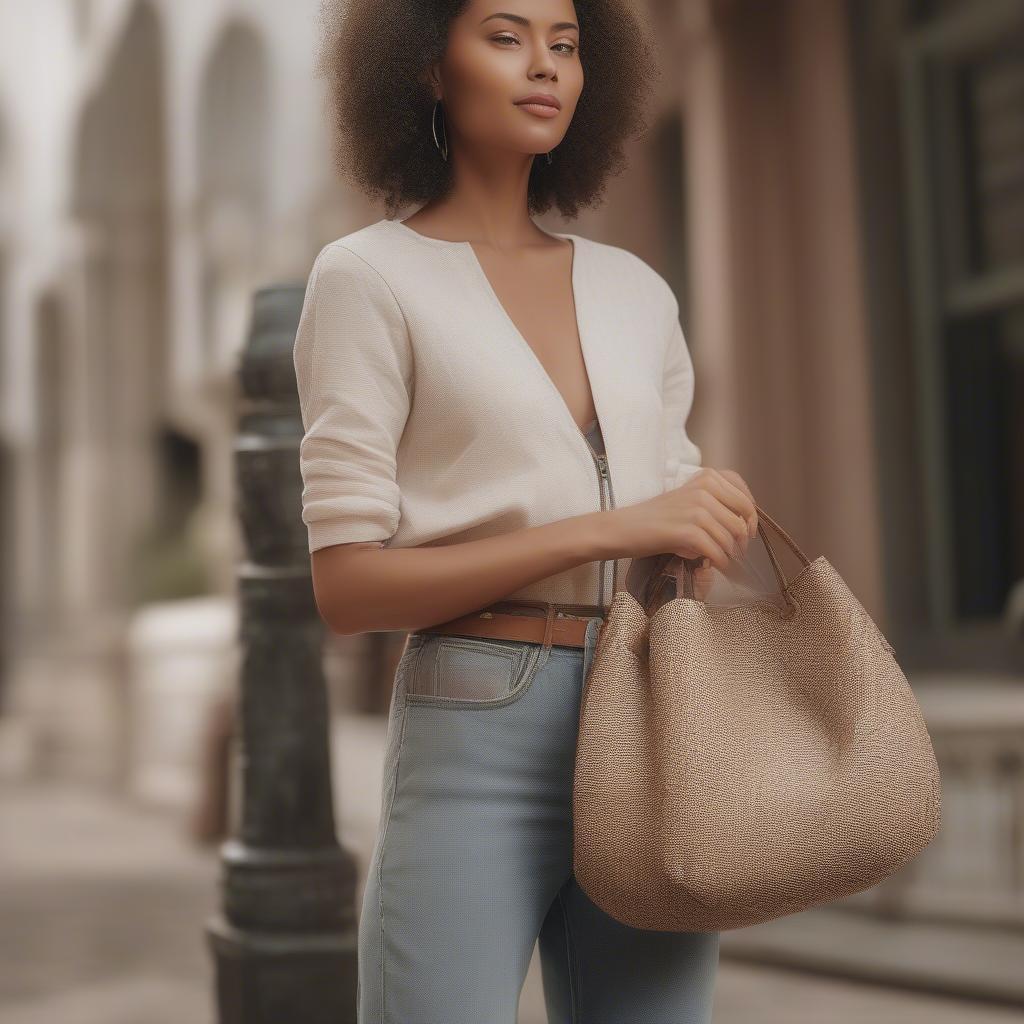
(680,570)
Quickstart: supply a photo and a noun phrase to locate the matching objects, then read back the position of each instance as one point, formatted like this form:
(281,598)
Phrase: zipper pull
(602,464)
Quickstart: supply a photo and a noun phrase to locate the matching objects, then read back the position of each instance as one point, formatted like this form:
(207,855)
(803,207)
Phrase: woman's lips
(539,109)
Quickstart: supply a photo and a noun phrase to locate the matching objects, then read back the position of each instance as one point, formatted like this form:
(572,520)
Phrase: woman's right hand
(711,515)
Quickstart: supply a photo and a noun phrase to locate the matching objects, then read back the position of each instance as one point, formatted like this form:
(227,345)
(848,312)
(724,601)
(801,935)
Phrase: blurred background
(834,189)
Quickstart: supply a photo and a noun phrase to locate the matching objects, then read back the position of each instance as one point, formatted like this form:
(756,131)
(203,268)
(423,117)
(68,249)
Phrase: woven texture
(738,764)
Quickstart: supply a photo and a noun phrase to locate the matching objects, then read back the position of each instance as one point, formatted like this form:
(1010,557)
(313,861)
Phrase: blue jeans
(473,859)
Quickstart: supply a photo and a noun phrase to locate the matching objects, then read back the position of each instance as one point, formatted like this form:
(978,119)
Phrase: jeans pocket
(457,671)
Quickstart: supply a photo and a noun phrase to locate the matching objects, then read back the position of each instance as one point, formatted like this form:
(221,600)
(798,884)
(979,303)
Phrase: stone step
(978,963)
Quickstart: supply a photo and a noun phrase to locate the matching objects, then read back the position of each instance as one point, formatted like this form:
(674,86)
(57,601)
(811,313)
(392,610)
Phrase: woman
(494,420)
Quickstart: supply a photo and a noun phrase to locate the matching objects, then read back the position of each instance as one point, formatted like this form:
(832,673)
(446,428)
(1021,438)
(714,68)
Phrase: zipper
(607,498)
(611,504)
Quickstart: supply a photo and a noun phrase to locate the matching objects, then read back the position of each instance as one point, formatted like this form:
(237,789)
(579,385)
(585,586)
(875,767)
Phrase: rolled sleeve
(682,455)
(353,370)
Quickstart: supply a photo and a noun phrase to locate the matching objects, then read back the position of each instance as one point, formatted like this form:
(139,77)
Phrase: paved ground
(102,908)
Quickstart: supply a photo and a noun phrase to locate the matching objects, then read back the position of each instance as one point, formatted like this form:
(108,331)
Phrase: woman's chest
(474,363)
(484,408)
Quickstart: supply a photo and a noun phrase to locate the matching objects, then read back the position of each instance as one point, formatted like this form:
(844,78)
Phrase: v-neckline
(578,312)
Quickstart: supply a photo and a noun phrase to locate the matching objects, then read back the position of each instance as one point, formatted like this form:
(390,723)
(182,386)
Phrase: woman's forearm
(367,588)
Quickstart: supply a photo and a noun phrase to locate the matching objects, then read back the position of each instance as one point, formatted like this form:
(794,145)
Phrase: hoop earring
(442,149)
(548,155)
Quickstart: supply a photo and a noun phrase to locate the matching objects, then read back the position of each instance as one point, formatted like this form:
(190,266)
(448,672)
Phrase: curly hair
(374,55)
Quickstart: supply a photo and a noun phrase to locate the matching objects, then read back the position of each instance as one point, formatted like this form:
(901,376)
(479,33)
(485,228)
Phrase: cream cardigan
(429,419)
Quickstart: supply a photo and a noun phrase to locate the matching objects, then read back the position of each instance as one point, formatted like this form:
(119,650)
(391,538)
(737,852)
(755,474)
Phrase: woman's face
(500,52)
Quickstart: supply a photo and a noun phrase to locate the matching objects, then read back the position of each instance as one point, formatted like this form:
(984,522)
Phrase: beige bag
(738,762)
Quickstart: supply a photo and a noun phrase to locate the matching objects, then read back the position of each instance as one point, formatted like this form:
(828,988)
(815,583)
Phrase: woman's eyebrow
(526,21)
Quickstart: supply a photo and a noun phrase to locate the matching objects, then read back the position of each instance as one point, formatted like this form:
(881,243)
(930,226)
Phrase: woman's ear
(430,76)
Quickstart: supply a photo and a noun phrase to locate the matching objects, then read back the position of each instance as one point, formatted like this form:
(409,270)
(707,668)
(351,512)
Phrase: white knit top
(429,419)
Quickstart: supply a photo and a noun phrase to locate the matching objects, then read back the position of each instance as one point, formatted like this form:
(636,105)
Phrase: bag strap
(763,517)
(680,570)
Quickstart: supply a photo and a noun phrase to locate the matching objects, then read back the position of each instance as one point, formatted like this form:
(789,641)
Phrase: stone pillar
(285,940)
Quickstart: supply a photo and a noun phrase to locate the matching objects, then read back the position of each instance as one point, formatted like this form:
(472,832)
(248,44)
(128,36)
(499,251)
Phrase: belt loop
(549,627)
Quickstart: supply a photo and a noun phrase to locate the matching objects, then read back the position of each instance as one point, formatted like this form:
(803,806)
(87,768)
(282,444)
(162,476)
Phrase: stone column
(285,940)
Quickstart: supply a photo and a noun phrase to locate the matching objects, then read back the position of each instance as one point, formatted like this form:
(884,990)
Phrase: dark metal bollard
(285,941)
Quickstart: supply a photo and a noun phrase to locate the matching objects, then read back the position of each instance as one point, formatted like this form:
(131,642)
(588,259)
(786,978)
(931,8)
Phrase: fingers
(726,519)
(750,513)
(695,539)
(731,490)
(730,501)
(727,527)
(709,538)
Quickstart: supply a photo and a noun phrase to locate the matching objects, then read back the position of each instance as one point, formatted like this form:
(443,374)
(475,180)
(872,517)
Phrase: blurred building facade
(834,189)
(160,160)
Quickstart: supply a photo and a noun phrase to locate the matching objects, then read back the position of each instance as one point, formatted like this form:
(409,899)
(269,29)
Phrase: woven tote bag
(740,763)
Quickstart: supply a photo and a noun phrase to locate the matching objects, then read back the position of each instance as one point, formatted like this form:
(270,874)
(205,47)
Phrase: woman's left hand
(704,576)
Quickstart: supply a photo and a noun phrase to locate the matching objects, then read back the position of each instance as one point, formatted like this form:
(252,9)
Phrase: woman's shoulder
(624,272)
(388,254)
(371,260)
(396,256)
(368,245)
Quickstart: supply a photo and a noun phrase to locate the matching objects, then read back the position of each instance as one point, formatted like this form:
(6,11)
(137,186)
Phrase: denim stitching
(566,653)
(387,821)
(533,663)
(570,957)
(487,644)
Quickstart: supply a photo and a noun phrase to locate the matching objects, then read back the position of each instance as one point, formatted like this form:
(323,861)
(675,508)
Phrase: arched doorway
(118,291)
(233,161)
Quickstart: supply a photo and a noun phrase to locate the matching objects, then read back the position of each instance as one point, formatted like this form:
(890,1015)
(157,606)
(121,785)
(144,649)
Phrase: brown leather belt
(560,625)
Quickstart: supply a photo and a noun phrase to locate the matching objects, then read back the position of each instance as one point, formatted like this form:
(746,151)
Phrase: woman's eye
(569,47)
